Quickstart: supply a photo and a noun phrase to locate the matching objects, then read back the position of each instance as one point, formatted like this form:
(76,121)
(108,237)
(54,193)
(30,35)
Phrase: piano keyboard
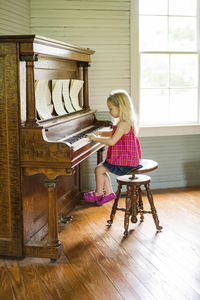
(74,138)
(80,139)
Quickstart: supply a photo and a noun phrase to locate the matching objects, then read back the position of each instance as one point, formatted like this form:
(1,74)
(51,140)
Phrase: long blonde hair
(121,99)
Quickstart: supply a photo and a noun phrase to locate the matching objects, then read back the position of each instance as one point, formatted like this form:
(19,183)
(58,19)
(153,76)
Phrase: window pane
(183,105)
(154,106)
(182,34)
(183,70)
(153,33)
(154,7)
(182,7)
(154,70)
(168,72)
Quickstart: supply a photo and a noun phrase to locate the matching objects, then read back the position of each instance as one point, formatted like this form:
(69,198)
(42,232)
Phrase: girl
(123,153)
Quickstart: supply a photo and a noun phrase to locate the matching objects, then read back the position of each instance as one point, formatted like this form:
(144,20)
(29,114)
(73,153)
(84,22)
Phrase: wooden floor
(98,263)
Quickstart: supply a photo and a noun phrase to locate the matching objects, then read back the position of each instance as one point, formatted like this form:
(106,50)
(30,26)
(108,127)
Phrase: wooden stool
(134,203)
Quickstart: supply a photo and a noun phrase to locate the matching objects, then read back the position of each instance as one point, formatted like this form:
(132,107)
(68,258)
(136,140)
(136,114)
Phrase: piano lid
(36,44)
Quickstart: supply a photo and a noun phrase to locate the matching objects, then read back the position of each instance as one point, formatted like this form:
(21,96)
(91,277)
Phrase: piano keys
(40,158)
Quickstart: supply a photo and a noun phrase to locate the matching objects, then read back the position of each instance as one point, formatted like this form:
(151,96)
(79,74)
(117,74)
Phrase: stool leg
(115,204)
(134,195)
(140,205)
(153,209)
(127,210)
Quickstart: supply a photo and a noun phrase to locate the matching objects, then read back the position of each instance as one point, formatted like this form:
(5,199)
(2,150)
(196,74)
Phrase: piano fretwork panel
(43,160)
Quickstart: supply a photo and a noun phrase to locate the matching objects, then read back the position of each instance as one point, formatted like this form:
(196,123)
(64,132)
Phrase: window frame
(157,130)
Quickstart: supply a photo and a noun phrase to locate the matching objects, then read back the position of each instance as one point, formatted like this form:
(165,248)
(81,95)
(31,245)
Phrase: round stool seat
(148,165)
(139,179)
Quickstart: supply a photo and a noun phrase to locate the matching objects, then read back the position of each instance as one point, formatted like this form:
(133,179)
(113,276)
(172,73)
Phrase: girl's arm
(107,133)
(122,128)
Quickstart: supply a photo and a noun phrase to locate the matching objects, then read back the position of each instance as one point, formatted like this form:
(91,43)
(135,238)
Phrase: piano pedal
(64,219)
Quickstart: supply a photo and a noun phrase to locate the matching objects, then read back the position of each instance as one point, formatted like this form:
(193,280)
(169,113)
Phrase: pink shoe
(106,199)
(92,197)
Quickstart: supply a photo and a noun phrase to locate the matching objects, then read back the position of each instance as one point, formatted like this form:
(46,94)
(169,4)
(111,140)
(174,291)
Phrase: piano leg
(52,247)
(52,216)
(52,212)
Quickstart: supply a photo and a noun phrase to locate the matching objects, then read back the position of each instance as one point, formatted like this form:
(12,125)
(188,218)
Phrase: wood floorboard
(164,262)
(163,284)
(16,280)
(118,262)
(99,264)
(173,251)
(31,281)
(47,275)
(86,270)
(5,285)
(107,262)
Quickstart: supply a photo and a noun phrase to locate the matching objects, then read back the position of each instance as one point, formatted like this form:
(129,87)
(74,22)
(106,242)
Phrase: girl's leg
(107,185)
(102,180)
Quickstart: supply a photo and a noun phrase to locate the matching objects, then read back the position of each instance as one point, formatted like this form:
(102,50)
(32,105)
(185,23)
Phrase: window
(168,61)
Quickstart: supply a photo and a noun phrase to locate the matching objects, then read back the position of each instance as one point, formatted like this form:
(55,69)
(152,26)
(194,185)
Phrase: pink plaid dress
(126,152)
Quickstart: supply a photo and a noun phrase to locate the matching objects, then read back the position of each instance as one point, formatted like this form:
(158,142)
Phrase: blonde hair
(121,99)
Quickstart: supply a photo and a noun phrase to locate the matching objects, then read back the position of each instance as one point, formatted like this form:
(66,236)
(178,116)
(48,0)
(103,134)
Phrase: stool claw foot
(134,219)
(141,217)
(109,222)
(125,233)
(159,228)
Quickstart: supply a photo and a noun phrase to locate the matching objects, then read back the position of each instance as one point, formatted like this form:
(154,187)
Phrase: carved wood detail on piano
(36,152)
(10,205)
(30,92)
(85,79)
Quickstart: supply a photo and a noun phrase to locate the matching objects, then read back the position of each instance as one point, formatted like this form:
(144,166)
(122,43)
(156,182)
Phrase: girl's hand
(97,133)
(91,136)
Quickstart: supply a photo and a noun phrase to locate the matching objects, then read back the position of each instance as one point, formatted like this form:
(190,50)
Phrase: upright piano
(40,157)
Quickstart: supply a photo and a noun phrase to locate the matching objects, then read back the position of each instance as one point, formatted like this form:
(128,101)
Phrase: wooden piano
(39,159)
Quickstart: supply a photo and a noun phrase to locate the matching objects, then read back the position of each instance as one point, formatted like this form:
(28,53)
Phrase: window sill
(169,130)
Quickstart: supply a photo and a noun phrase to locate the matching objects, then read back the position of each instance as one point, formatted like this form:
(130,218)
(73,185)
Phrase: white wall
(14,17)
(100,25)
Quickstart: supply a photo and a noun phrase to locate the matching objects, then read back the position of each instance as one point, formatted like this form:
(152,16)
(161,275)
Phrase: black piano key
(78,136)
